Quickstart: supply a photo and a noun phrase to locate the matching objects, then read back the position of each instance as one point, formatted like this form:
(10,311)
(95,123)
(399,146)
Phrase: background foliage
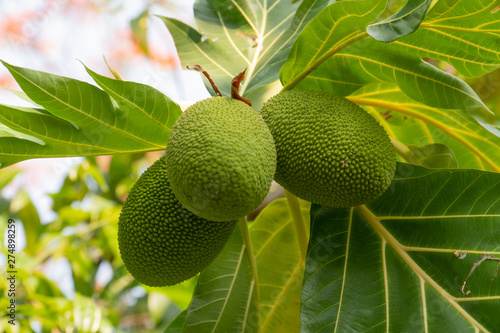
(395,265)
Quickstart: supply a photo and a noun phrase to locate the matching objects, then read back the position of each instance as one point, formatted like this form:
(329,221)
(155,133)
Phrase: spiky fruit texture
(221,159)
(330,151)
(160,242)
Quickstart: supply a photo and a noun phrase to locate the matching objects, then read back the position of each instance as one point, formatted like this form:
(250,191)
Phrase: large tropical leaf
(330,31)
(415,123)
(463,33)
(79,119)
(393,265)
(232,35)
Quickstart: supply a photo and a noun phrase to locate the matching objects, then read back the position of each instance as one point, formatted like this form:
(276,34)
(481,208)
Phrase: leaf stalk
(401,149)
(300,229)
(249,249)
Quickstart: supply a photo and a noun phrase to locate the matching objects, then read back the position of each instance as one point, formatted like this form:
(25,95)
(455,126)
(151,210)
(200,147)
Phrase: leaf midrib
(398,248)
(240,260)
(49,138)
(345,269)
(128,101)
(427,25)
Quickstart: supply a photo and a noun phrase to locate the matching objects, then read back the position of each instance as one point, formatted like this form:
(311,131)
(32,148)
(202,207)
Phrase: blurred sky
(52,35)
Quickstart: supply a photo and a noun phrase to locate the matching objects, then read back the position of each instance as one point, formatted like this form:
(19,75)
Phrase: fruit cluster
(220,160)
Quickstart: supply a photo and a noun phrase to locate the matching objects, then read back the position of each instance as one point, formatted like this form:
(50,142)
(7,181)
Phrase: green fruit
(221,159)
(160,242)
(330,151)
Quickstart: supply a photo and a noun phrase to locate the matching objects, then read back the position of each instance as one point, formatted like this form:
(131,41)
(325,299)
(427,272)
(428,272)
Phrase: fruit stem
(235,87)
(300,229)
(200,69)
(249,249)
(401,149)
(292,84)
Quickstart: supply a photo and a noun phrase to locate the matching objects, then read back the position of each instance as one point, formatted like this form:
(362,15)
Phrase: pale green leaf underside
(414,123)
(79,119)
(391,267)
(235,35)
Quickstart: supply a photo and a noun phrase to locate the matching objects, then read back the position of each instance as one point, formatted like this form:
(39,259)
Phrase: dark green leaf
(403,23)
(464,34)
(392,266)
(147,112)
(178,323)
(414,123)
(352,68)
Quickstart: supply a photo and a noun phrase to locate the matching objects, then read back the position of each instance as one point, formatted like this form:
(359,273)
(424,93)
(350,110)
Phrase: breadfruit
(330,151)
(161,242)
(221,159)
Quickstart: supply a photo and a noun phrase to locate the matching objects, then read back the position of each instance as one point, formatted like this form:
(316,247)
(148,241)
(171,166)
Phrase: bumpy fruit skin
(160,242)
(221,159)
(330,151)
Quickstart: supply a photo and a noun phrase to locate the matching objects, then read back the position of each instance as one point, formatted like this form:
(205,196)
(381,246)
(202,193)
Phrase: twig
(200,69)
(485,257)
(300,229)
